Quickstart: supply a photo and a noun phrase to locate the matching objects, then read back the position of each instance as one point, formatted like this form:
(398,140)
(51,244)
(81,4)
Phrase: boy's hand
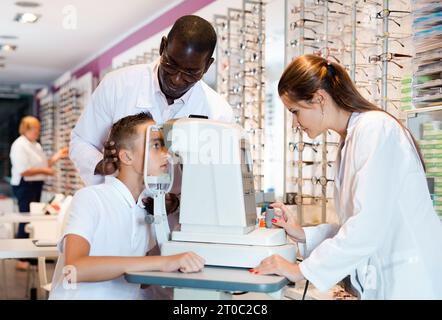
(184,262)
(109,164)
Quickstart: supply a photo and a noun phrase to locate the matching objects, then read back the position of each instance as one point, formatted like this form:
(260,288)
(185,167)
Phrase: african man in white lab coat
(389,236)
(169,88)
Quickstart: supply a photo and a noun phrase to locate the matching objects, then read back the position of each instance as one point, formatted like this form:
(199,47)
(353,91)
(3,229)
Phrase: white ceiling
(46,49)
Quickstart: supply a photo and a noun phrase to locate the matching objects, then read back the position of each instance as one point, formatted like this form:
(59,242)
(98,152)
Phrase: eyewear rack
(69,106)
(362,35)
(241,74)
(59,112)
(143,58)
(47,133)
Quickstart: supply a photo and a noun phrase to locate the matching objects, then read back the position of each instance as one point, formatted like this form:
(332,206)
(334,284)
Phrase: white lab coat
(389,239)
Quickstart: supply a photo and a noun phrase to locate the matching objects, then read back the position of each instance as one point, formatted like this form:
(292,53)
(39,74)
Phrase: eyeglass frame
(301,145)
(389,57)
(385,13)
(174,70)
(323,181)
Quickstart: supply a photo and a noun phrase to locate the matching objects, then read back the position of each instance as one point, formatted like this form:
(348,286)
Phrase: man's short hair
(195,32)
(124,131)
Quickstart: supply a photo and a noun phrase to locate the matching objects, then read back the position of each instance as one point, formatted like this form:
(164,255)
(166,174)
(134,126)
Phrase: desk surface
(24,217)
(212,278)
(24,248)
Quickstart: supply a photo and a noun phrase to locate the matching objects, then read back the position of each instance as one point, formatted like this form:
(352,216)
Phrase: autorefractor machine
(218,210)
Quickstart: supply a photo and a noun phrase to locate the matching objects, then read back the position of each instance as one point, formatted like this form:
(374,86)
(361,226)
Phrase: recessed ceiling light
(8,37)
(27,17)
(7,47)
(27,4)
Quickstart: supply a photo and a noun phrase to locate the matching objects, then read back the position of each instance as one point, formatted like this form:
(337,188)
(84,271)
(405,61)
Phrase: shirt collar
(157,89)
(27,140)
(124,191)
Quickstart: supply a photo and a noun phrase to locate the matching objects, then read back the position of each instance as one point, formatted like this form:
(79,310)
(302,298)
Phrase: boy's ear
(125,156)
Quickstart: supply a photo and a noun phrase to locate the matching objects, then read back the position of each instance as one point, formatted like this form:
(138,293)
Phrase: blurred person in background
(30,167)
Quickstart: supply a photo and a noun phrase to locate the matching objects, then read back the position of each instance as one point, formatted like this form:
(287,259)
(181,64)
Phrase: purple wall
(165,20)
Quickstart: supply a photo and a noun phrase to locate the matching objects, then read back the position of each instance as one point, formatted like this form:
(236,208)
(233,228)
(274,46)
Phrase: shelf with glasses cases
(241,72)
(426,126)
(429,84)
(429,71)
(427,36)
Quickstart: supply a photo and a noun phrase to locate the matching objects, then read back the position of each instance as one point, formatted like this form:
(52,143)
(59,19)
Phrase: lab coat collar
(145,97)
(342,150)
(124,191)
(351,123)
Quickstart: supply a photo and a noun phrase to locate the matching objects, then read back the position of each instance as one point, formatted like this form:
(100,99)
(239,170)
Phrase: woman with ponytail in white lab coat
(389,237)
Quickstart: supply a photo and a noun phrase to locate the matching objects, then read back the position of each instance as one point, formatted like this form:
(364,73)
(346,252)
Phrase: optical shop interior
(221,149)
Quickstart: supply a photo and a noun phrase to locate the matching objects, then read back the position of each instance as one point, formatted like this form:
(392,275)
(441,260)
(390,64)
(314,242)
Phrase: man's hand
(109,164)
(172,203)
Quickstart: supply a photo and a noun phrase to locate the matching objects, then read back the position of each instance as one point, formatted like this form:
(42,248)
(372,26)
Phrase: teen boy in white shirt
(106,234)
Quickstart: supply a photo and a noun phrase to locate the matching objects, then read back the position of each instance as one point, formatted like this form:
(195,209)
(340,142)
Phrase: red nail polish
(274,220)
(251,270)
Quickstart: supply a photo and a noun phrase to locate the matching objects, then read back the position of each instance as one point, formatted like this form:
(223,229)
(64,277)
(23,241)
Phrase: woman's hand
(48,171)
(276,264)
(184,262)
(60,154)
(283,220)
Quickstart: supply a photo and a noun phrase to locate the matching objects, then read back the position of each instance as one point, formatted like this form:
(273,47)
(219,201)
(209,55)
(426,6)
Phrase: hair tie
(329,67)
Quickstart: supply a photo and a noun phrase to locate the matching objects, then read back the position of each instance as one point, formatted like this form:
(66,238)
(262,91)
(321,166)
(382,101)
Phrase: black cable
(239,293)
(306,282)
(305,290)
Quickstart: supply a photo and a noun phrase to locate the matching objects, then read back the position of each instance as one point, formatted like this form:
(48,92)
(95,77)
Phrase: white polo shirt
(128,91)
(24,155)
(107,216)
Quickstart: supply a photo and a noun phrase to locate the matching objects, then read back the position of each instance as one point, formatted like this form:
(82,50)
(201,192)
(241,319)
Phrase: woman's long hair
(308,73)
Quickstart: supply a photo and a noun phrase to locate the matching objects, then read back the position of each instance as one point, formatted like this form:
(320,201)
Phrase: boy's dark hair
(194,31)
(124,130)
